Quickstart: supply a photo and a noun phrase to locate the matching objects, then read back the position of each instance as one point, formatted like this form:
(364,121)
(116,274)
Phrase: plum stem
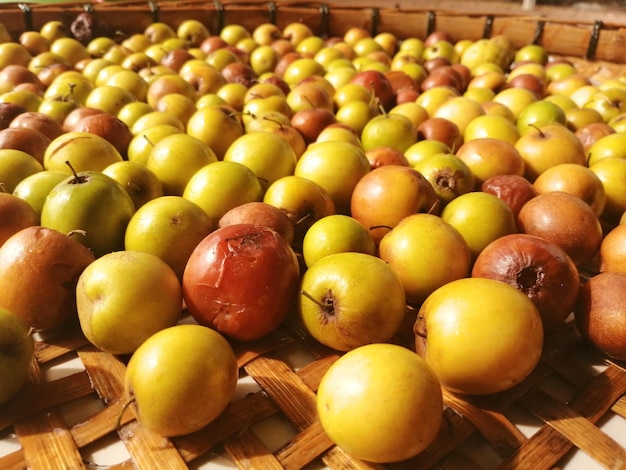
(118,422)
(71,86)
(77,178)
(328,308)
(434,206)
(303,218)
(148,140)
(78,231)
(541,134)
(374,101)
(275,121)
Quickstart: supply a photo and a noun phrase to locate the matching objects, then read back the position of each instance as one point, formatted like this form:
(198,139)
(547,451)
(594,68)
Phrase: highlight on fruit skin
(242,280)
(181,379)
(359,385)
(52,261)
(480,335)
(600,314)
(349,299)
(537,267)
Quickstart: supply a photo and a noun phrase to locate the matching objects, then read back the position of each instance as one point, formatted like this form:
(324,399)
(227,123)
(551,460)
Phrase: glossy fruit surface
(600,315)
(93,203)
(51,260)
(114,285)
(538,268)
(360,383)
(180,392)
(480,336)
(351,299)
(241,280)
(426,252)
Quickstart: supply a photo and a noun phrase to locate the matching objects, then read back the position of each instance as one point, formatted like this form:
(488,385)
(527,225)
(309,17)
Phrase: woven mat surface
(63,422)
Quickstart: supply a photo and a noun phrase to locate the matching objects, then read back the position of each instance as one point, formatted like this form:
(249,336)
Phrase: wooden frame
(591,34)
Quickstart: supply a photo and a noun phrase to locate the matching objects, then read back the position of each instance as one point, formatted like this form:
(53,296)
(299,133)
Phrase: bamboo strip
(283,386)
(312,373)
(46,441)
(559,344)
(58,343)
(614,363)
(577,429)
(34,374)
(128,465)
(83,434)
(455,430)
(99,425)
(248,352)
(600,393)
(620,407)
(501,401)
(148,449)
(560,361)
(105,371)
(47,395)
(338,459)
(305,447)
(497,429)
(547,445)
(14,461)
(542,450)
(456,460)
(298,331)
(248,451)
(238,416)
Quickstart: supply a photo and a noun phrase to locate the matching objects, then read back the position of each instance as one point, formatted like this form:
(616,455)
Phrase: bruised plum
(537,267)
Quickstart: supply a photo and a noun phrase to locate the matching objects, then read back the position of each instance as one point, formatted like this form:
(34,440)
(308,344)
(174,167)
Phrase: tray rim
(592,34)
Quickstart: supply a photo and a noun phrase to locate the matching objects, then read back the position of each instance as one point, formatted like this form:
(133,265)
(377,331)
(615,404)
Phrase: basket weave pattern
(592,388)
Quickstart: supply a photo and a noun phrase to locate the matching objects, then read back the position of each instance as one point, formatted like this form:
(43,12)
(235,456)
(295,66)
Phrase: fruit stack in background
(439,223)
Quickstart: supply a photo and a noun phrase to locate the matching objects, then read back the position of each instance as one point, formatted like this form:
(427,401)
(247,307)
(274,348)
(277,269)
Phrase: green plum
(169,227)
(35,188)
(139,181)
(94,203)
(17,351)
(15,165)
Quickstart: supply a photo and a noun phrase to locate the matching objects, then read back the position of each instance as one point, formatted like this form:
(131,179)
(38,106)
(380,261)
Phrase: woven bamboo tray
(562,410)
(593,33)
(562,403)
